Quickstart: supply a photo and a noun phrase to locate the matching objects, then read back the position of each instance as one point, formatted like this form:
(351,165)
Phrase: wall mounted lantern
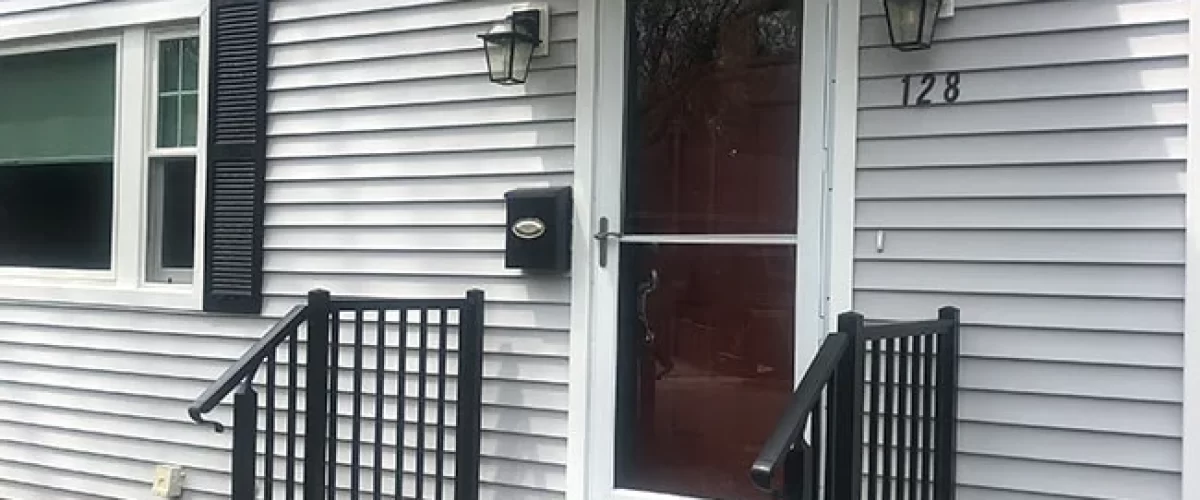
(511,45)
(911,22)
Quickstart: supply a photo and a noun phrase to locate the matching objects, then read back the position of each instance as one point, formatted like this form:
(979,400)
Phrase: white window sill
(183,297)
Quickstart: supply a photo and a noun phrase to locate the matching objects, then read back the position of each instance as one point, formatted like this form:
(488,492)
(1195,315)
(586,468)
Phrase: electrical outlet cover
(168,481)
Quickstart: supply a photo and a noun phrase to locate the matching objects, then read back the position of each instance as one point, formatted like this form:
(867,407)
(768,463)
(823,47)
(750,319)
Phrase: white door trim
(812,252)
(600,89)
(608,151)
(843,159)
(587,95)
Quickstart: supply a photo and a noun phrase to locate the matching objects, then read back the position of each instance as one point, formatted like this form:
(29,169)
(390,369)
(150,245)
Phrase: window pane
(175,181)
(168,65)
(713,123)
(168,121)
(178,67)
(56,215)
(706,342)
(57,114)
(179,213)
(191,63)
(188,120)
(58,106)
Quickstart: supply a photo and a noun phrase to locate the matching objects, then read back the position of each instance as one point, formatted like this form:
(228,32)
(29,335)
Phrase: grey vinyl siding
(1049,205)
(10,7)
(389,157)
(389,154)
(91,399)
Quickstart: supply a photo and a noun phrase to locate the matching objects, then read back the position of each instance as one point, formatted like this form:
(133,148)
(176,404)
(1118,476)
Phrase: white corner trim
(1190,475)
(843,157)
(97,16)
(581,264)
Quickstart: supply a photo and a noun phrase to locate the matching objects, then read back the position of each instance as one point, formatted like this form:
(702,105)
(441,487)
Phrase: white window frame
(126,282)
(154,270)
(12,273)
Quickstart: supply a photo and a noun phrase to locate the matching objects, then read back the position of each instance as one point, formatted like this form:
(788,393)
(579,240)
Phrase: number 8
(953,78)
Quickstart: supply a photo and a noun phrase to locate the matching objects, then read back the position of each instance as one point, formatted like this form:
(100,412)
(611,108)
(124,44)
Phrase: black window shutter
(237,149)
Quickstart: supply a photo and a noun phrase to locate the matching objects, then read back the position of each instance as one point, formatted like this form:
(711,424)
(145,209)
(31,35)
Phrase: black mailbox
(538,236)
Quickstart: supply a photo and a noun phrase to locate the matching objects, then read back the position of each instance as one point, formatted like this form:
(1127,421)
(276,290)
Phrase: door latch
(602,236)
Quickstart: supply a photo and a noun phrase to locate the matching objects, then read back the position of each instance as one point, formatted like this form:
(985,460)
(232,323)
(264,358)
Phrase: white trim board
(843,157)
(812,249)
(607,100)
(587,95)
(1190,474)
(76,19)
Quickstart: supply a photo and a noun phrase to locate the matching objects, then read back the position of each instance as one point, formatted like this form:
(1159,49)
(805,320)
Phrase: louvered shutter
(236,156)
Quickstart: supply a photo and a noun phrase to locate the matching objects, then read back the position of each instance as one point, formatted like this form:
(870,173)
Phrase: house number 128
(924,85)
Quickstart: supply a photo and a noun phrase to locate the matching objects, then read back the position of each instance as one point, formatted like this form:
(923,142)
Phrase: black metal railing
(378,373)
(807,446)
(884,396)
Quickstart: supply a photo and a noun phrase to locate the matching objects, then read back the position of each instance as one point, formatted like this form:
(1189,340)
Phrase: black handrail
(908,329)
(795,417)
(245,366)
(364,302)
(907,409)
(336,335)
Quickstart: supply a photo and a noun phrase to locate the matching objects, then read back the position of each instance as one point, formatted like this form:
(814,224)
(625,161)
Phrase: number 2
(928,79)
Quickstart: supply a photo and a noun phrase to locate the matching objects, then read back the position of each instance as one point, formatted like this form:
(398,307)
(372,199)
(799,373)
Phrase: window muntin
(178,92)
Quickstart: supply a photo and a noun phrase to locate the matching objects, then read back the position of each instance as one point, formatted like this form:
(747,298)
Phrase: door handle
(603,236)
(657,354)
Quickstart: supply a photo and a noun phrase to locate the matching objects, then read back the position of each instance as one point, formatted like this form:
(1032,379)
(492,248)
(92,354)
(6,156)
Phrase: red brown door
(708,263)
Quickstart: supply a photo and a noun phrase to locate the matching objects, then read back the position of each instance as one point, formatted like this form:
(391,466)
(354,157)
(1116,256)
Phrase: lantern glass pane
(499,57)
(931,14)
(904,20)
(522,55)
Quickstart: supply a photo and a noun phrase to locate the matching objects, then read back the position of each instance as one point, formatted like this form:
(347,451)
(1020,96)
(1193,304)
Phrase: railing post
(946,447)
(316,392)
(470,382)
(245,426)
(798,460)
(849,382)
